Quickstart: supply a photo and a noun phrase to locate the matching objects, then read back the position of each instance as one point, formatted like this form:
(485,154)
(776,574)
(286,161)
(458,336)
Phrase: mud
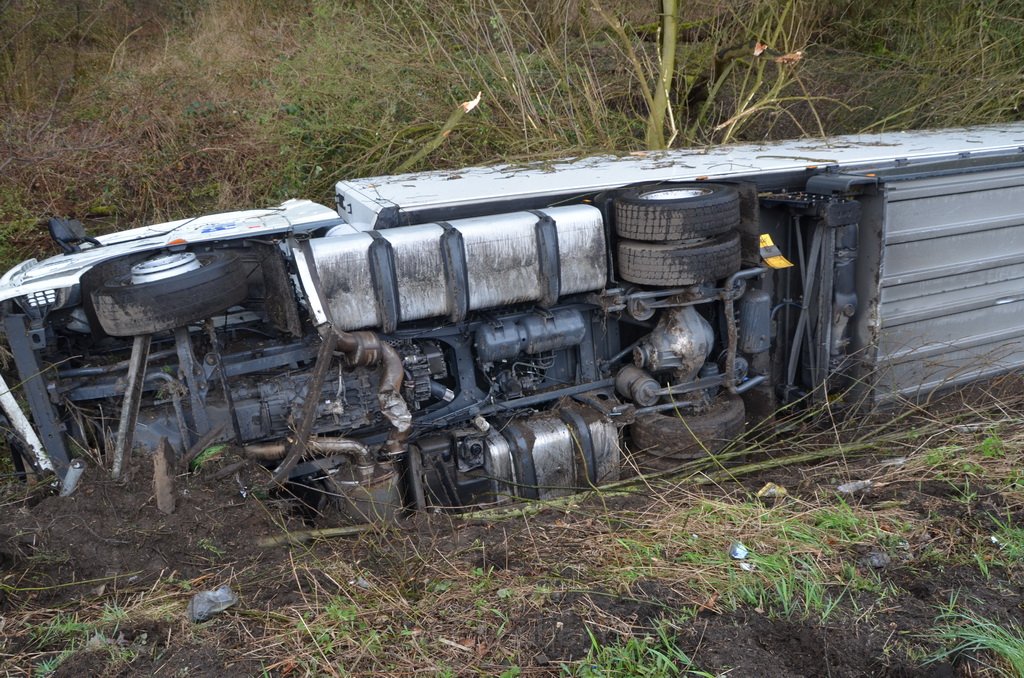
(110,545)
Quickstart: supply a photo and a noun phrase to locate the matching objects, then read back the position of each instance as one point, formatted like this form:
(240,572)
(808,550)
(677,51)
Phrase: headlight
(42,298)
(39,303)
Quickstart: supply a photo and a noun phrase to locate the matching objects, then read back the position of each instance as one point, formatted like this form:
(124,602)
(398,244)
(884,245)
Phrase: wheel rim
(163,267)
(676,193)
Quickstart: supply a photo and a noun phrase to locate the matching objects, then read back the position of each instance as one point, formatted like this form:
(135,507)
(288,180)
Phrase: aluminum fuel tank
(381,278)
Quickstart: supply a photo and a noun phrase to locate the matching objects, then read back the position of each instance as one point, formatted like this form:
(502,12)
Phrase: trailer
(449,338)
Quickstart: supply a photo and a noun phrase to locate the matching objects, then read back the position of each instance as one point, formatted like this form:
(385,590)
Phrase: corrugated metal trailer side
(950,290)
(941,275)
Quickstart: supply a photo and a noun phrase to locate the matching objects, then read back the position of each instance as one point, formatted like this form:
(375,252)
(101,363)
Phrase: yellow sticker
(771,254)
(778,262)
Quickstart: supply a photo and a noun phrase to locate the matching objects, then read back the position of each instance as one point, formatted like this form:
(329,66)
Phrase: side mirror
(69,234)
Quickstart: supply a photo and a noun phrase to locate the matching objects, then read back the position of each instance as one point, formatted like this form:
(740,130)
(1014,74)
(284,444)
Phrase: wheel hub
(163,267)
(676,193)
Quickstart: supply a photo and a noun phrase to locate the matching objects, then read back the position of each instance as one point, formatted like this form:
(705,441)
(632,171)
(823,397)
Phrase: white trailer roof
(361,200)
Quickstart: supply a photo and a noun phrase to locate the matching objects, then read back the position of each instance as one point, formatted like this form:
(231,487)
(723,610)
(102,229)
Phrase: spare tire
(669,438)
(672,264)
(169,291)
(660,212)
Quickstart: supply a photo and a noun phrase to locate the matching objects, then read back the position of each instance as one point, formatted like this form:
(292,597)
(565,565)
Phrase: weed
(49,666)
(482,579)
(438,587)
(207,455)
(963,493)
(960,631)
(62,628)
(992,447)
(786,587)
(640,556)
(655,656)
(113,615)
(64,631)
(840,522)
(341,612)
(852,578)
(207,545)
(938,457)
(982,562)
(1010,539)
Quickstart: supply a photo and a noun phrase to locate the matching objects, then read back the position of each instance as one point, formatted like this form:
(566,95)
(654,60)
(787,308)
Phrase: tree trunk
(659,109)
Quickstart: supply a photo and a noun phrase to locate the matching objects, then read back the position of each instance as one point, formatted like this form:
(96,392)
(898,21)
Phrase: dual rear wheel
(676,235)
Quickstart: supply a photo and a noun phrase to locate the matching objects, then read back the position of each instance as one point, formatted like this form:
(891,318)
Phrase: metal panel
(422,289)
(951,306)
(362,201)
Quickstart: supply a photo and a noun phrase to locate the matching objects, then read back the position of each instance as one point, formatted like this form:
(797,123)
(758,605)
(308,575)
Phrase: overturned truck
(451,338)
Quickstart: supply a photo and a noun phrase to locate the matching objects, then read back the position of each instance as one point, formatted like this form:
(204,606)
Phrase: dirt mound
(112,533)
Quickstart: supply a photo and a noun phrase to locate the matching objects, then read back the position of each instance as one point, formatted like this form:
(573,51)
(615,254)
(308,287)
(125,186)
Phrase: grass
(966,79)
(998,647)
(657,655)
(61,636)
(61,628)
(1009,538)
(119,113)
(637,580)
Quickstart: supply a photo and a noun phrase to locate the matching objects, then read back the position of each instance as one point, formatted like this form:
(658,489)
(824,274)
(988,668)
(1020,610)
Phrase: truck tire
(671,264)
(125,308)
(670,438)
(659,213)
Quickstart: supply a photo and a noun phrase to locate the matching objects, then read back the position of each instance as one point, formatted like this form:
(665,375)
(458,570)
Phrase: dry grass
(485,593)
(126,113)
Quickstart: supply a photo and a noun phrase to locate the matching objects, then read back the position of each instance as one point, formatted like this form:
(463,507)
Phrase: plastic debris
(737,551)
(877,559)
(995,540)
(71,478)
(205,604)
(854,487)
(895,461)
(748,567)
(772,491)
(360,582)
